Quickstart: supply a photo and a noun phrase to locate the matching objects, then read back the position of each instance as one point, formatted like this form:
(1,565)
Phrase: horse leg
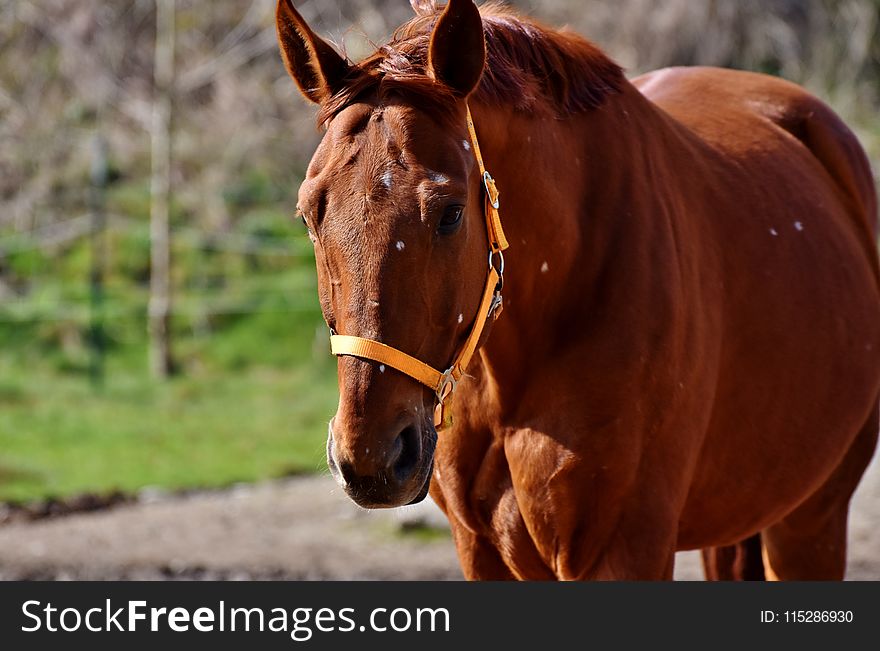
(739,562)
(810,542)
(628,564)
(479,559)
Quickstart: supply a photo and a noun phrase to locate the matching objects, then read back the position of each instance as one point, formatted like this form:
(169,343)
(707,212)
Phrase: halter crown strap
(443,383)
(497,239)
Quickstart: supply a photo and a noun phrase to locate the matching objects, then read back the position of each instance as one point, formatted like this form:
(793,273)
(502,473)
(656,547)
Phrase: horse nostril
(409,444)
(346,469)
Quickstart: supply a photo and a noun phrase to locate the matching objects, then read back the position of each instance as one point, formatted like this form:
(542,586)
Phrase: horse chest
(487,524)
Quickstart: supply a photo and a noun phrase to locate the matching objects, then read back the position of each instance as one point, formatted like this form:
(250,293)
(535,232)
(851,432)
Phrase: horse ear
(315,66)
(457,54)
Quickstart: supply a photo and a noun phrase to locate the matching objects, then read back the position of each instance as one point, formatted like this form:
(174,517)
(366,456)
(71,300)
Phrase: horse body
(689,352)
(667,388)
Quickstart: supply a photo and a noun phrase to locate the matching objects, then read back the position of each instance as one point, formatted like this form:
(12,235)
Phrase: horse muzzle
(384,475)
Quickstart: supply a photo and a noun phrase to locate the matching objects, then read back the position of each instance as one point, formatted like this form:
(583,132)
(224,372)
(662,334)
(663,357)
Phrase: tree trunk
(99,175)
(161,361)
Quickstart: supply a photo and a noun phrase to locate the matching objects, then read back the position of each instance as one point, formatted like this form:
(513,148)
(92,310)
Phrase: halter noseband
(444,383)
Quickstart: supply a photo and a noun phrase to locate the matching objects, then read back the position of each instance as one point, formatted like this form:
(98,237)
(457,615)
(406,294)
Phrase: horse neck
(573,194)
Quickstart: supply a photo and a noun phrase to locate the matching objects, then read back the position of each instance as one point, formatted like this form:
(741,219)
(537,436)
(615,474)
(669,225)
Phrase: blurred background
(159,326)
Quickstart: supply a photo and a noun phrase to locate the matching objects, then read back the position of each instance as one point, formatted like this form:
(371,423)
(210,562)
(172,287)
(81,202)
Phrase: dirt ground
(302,528)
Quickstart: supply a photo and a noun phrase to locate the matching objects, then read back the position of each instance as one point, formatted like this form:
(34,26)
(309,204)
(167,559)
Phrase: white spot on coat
(460,318)
(545,268)
(401,245)
(774,232)
(387,179)
(437,177)
(799,226)
(381,368)
(466,144)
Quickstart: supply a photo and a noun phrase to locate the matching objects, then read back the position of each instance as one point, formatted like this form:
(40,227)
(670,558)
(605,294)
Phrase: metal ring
(500,268)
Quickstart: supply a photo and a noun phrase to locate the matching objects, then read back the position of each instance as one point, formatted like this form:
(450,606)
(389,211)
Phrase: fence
(189,302)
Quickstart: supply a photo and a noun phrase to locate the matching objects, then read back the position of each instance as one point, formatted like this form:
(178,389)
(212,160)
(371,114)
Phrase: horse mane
(529,68)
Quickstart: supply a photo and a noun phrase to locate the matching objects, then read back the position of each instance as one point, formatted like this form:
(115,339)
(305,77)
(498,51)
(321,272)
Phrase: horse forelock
(529,68)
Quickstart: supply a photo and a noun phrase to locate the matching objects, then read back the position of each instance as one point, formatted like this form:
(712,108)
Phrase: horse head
(393,201)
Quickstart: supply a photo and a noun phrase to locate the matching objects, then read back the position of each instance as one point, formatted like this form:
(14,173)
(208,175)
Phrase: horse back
(700,98)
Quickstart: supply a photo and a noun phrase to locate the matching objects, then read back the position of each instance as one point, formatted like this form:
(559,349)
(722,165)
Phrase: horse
(687,355)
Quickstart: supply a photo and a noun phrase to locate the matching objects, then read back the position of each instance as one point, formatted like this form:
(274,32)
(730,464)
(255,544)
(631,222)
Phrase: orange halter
(444,383)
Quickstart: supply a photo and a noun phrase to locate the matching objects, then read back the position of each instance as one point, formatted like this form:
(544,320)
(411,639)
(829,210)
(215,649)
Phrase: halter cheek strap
(443,383)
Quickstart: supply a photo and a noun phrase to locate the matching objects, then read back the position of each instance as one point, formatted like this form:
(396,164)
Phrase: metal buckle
(447,385)
(497,306)
(491,190)
(442,418)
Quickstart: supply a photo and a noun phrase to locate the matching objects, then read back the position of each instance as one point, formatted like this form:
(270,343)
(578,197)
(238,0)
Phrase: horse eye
(451,220)
(302,218)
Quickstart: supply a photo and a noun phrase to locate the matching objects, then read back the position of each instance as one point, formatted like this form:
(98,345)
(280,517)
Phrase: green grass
(256,385)
(423,533)
(59,436)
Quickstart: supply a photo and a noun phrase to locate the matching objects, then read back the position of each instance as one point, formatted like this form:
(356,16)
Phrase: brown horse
(689,352)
